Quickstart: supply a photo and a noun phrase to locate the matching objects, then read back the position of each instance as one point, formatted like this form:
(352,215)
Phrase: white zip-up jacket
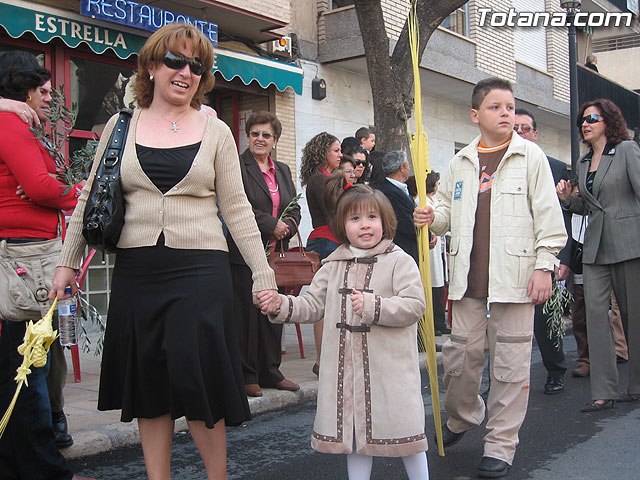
(526,232)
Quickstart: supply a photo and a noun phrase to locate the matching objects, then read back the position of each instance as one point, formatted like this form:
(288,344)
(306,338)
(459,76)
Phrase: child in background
(371,297)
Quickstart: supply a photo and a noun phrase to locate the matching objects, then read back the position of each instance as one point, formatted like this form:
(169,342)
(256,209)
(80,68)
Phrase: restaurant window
(99,88)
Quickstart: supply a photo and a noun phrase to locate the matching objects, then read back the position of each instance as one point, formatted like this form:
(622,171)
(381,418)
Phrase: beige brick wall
(494,50)
(322,6)
(558,55)
(395,15)
(276,9)
(285,110)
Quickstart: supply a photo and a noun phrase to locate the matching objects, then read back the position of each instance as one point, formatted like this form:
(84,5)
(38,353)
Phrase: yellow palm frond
(420,154)
(37,339)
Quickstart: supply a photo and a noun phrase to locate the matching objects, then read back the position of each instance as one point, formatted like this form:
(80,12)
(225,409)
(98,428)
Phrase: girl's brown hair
(616,126)
(354,199)
(172,38)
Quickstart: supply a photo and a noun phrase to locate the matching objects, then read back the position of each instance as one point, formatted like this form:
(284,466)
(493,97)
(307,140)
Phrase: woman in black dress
(171,346)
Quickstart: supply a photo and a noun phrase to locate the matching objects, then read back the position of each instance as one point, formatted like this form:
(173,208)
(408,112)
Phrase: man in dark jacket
(396,169)
(552,357)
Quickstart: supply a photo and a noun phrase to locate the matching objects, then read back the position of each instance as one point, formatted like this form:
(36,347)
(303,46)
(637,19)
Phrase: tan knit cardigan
(187,214)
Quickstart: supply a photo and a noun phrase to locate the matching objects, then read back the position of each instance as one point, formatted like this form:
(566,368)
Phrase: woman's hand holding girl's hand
(357,302)
(268,301)
(63,278)
(563,189)
(423,216)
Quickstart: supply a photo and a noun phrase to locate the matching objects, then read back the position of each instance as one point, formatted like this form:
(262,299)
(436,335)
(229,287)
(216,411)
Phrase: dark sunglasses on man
(592,118)
(177,61)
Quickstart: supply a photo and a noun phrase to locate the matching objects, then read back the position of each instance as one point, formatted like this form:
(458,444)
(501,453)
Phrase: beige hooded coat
(369,374)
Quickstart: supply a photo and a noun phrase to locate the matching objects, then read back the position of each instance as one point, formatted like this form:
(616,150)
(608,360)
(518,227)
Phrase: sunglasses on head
(524,128)
(256,134)
(178,61)
(593,118)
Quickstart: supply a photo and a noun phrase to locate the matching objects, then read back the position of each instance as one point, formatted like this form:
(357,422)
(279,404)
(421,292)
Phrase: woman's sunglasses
(593,118)
(178,61)
(256,134)
(360,162)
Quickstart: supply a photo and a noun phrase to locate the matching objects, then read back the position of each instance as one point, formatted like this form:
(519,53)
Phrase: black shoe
(61,429)
(449,438)
(492,468)
(555,384)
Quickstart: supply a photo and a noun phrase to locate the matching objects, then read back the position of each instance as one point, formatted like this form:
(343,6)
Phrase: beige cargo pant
(507,335)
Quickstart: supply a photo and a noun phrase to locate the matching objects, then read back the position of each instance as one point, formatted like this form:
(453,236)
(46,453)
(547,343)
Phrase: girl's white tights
(359,466)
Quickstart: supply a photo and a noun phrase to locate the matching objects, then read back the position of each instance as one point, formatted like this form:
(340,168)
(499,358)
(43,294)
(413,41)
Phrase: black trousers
(552,357)
(259,339)
(27,447)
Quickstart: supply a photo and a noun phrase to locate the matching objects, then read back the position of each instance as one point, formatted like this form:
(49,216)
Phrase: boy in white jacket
(506,230)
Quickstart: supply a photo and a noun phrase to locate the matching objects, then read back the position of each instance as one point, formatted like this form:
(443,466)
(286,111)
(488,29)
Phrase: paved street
(557,441)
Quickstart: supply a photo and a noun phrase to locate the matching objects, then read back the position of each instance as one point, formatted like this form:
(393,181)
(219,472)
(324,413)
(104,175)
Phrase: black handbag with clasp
(104,211)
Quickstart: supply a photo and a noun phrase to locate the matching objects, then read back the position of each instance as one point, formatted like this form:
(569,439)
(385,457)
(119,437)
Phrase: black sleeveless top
(166,167)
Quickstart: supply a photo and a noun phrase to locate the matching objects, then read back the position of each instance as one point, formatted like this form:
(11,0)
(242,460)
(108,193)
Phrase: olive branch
(554,307)
(61,120)
(284,216)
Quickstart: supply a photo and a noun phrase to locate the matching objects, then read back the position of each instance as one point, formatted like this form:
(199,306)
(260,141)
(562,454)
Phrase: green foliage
(61,120)
(286,214)
(555,306)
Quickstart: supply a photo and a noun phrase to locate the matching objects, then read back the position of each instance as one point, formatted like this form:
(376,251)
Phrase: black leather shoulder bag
(104,212)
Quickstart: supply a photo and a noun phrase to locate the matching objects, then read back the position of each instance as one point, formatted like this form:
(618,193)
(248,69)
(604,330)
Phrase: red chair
(75,353)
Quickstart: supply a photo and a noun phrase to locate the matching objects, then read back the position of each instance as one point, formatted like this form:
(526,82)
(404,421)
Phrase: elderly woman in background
(320,156)
(171,347)
(609,193)
(348,167)
(31,199)
(269,189)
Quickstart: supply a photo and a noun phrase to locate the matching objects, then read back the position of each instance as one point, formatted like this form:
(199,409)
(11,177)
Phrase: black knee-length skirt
(171,344)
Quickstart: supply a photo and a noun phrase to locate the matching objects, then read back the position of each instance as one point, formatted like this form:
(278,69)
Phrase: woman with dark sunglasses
(609,193)
(171,346)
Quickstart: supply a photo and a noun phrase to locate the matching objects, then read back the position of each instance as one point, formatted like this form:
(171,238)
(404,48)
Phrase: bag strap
(110,164)
(302,250)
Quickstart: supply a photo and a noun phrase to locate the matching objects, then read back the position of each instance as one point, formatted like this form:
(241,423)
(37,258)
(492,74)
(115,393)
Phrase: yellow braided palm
(37,340)
(421,166)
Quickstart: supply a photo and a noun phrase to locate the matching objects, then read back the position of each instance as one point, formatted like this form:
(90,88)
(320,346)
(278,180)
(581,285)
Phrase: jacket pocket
(520,259)
(512,358)
(454,246)
(454,352)
(514,197)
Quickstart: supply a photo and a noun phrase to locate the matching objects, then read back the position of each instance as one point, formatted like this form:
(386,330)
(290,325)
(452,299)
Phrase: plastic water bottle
(67,320)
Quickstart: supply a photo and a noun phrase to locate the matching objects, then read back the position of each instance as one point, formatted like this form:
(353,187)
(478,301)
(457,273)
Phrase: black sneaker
(492,468)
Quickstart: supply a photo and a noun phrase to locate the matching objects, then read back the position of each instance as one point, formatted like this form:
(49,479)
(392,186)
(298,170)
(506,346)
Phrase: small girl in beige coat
(370,294)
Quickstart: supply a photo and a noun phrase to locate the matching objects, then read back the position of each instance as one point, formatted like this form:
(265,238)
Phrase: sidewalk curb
(123,434)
